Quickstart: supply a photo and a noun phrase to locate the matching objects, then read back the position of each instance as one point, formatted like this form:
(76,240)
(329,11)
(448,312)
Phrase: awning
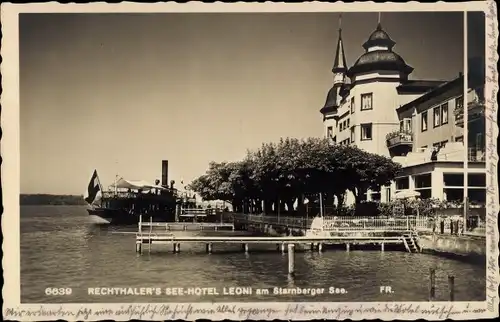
(135,185)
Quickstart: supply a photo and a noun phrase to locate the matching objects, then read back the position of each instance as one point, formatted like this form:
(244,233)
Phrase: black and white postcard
(249,161)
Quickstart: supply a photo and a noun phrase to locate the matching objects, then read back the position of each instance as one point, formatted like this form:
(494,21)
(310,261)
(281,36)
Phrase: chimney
(164,173)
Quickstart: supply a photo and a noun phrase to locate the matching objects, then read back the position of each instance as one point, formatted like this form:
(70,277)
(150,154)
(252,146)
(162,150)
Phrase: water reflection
(83,255)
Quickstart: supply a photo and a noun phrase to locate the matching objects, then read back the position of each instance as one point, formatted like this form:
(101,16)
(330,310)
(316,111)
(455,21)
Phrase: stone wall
(454,245)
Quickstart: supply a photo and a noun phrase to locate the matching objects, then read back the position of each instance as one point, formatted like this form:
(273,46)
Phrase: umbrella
(405,194)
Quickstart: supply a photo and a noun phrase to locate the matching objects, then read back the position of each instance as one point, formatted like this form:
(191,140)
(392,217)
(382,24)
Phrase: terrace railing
(336,223)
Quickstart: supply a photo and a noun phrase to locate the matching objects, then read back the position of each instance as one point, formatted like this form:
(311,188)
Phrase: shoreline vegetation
(51,200)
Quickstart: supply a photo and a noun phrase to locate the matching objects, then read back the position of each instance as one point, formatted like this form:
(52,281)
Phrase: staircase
(410,240)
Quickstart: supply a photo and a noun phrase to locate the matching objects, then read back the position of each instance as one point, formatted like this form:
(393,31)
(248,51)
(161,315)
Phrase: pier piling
(320,247)
(347,247)
(282,248)
(312,247)
(382,247)
(432,286)
(245,247)
(177,247)
(291,259)
(209,248)
(138,247)
(451,287)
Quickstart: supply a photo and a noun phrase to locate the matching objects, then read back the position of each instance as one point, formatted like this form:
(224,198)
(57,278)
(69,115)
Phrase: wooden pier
(403,235)
(246,241)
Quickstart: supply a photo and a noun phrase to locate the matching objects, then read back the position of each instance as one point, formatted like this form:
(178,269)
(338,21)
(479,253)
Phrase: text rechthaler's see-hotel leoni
(375,106)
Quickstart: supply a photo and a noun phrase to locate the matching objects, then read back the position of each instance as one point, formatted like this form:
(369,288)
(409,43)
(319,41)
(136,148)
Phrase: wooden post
(312,247)
(382,247)
(320,247)
(291,259)
(282,248)
(246,247)
(177,247)
(209,248)
(432,286)
(347,247)
(138,247)
(451,286)
(140,224)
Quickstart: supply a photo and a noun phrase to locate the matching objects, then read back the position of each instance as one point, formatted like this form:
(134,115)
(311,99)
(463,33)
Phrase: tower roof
(340,64)
(331,101)
(379,38)
(379,58)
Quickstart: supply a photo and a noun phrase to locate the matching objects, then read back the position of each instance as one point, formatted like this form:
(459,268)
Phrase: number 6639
(58,291)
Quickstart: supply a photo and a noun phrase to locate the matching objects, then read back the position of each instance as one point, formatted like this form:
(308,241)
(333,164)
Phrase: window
(423,181)
(407,125)
(347,124)
(437,116)
(329,132)
(401,126)
(476,180)
(440,144)
(387,194)
(366,132)
(402,183)
(444,113)
(366,101)
(352,134)
(424,121)
(459,103)
(453,179)
(353,107)
(459,138)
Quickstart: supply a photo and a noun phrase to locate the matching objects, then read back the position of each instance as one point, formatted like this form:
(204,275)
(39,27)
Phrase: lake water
(60,248)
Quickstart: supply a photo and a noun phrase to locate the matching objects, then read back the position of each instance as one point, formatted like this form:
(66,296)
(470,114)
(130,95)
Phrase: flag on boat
(93,189)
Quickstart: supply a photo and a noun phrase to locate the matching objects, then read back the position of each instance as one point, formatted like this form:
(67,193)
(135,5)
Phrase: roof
(433,93)
(379,60)
(379,38)
(418,86)
(331,101)
(340,63)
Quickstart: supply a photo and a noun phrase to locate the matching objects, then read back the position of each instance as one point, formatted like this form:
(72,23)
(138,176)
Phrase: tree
(280,173)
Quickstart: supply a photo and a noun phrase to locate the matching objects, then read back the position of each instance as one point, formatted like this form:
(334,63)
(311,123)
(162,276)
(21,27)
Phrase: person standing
(441,224)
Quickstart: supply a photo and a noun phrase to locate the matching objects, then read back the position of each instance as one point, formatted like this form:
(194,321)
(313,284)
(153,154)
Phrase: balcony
(475,110)
(476,155)
(399,137)
(399,142)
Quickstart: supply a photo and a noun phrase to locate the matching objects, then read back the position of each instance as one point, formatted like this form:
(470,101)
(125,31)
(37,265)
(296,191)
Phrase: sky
(121,92)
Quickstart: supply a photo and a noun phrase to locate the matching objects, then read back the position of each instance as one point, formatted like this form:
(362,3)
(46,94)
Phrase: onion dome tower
(379,56)
(339,71)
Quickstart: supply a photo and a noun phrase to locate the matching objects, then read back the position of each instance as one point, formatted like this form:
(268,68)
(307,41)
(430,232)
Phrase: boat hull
(119,217)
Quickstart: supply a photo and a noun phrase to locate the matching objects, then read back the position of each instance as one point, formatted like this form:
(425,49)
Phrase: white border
(254,311)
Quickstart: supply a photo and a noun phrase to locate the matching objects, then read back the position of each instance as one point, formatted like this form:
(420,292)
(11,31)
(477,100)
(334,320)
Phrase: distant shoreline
(51,200)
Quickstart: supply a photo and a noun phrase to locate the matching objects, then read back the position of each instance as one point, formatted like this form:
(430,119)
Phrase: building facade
(374,106)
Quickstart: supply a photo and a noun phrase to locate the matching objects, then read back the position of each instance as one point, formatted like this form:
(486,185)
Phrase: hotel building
(374,106)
